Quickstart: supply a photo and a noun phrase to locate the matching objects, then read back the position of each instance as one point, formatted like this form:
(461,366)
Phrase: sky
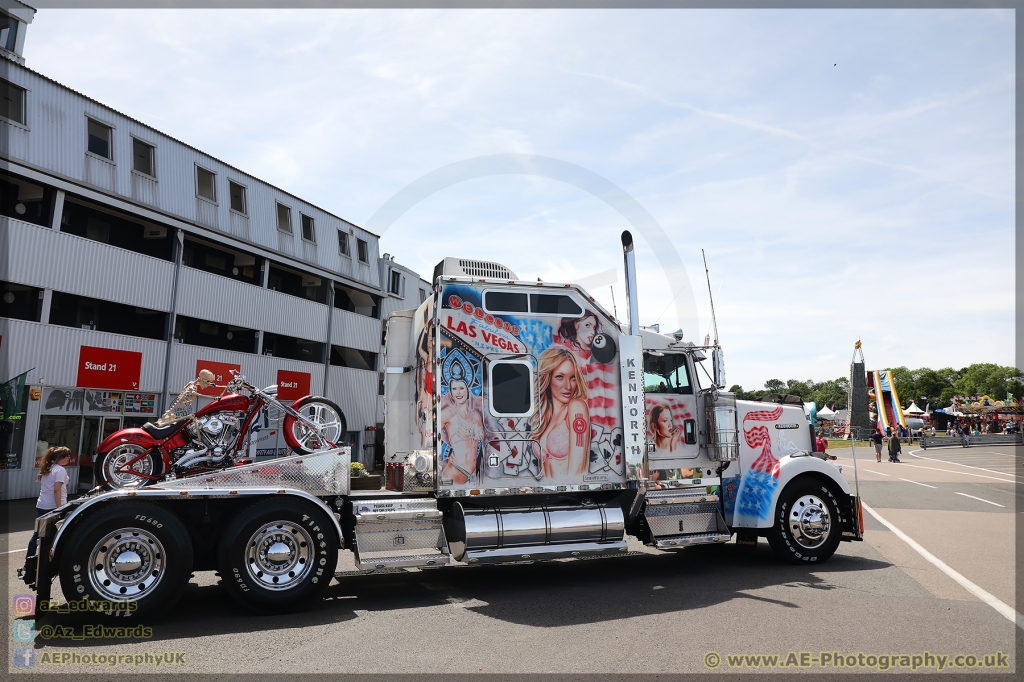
(848,173)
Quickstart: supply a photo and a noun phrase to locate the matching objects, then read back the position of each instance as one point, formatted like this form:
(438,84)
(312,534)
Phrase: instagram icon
(23,605)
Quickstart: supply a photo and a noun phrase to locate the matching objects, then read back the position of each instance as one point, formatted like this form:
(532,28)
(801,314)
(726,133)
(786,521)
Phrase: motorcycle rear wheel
(108,465)
(327,416)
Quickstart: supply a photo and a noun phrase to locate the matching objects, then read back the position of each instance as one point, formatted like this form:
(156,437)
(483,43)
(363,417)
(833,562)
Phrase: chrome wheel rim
(119,458)
(126,564)
(810,521)
(328,427)
(278,555)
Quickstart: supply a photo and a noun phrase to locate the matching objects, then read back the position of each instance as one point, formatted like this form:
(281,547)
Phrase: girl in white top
(53,489)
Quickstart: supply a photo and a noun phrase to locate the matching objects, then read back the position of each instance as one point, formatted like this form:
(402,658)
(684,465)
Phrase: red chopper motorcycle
(212,438)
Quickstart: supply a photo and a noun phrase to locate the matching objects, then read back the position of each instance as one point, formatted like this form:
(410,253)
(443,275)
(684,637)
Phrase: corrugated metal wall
(41,257)
(219,299)
(53,352)
(355,331)
(355,391)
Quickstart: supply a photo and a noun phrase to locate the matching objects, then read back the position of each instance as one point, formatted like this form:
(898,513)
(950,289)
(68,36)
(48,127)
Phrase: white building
(125,248)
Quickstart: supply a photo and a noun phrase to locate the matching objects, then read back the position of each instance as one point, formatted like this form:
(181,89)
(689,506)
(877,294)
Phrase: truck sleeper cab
(522,423)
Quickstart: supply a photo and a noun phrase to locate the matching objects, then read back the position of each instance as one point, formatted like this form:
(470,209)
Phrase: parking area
(649,612)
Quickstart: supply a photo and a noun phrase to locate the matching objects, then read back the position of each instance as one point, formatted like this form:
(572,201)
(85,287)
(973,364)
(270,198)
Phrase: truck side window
(505,302)
(666,374)
(554,304)
(511,388)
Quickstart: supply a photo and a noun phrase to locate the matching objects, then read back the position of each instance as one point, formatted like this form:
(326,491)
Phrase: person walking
(876,437)
(894,449)
(53,490)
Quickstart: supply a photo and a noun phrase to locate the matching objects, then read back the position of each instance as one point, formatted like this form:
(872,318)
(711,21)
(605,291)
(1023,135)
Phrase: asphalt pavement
(648,612)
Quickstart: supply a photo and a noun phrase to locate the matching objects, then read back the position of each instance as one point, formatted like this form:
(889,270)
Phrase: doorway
(95,430)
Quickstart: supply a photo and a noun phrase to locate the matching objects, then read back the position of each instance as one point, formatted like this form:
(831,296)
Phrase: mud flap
(853,519)
(47,529)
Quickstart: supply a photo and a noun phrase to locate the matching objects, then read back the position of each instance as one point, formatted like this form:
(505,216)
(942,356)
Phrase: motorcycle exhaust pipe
(627,253)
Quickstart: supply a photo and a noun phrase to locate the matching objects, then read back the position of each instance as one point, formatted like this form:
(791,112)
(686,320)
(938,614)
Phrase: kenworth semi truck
(523,423)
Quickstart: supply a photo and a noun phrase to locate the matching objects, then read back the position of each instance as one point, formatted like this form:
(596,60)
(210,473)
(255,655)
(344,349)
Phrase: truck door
(671,408)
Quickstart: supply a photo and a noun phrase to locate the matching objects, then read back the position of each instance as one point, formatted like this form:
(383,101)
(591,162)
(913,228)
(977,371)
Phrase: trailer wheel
(807,523)
(277,554)
(128,561)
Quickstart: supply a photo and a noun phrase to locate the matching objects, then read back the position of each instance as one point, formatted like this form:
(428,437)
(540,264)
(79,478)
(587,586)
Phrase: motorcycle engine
(217,434)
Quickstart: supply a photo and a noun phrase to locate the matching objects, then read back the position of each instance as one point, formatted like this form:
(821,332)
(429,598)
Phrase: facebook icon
(24,657)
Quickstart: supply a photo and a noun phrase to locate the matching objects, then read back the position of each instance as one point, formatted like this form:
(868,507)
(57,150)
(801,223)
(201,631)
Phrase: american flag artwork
(759,483)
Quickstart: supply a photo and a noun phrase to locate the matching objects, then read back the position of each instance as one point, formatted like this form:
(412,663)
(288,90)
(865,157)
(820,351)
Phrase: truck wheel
(276,554)
(325,414)
(130,560)
(807,523)
(109,463)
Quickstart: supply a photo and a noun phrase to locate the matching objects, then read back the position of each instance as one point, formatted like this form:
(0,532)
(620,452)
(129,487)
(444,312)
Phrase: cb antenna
(707,275)
(615,310)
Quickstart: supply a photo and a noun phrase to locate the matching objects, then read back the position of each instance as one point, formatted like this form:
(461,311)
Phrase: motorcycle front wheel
(121,467)
(329,421)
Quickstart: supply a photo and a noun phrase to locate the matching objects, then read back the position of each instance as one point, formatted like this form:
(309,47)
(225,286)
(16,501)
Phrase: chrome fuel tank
(558,527)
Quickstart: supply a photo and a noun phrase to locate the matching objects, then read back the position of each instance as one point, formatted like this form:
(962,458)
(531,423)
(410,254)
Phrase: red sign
(221,375)
(108,368)
(292,385)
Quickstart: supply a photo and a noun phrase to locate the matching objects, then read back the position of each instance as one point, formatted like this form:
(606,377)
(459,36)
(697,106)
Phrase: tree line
(924,386)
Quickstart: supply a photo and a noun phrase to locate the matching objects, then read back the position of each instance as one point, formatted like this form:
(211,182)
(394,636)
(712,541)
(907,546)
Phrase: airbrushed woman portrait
(562,420)
(663,430)
(462,430)
(577,333)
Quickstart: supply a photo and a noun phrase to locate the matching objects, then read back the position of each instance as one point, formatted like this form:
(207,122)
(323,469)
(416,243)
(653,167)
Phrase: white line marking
(990,599)
(942,461)
(963,473)
(981,500)
(15,551)
(915,482)
(877,472)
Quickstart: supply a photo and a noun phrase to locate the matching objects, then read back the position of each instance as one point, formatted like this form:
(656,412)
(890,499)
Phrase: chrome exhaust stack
(627,254)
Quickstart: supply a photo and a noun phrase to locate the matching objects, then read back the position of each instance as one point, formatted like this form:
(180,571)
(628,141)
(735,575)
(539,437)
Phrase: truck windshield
(666,374)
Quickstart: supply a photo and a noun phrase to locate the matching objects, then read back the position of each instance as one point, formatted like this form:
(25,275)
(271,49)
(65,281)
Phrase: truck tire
(131,560)
(327,416)
(807,527)
(277,554)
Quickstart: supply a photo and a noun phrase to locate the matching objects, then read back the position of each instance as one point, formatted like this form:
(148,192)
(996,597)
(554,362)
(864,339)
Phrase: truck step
(690,540)
(545,552)
(399,533)
(405,561)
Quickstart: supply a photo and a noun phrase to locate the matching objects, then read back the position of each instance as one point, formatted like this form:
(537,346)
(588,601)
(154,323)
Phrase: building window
(99,139)
(280,346)
(355,301)
(9,33)
(117,230)
(423,295)
(307,228)
(296,283)
(214,334)
(68,310)
(395,285)
(20,302)
(12,102)
(142,157)
(237,265)
(284,218)
(206,184)
(24,200)
(364,251)
(237,193)
(342,356)
(343,243)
